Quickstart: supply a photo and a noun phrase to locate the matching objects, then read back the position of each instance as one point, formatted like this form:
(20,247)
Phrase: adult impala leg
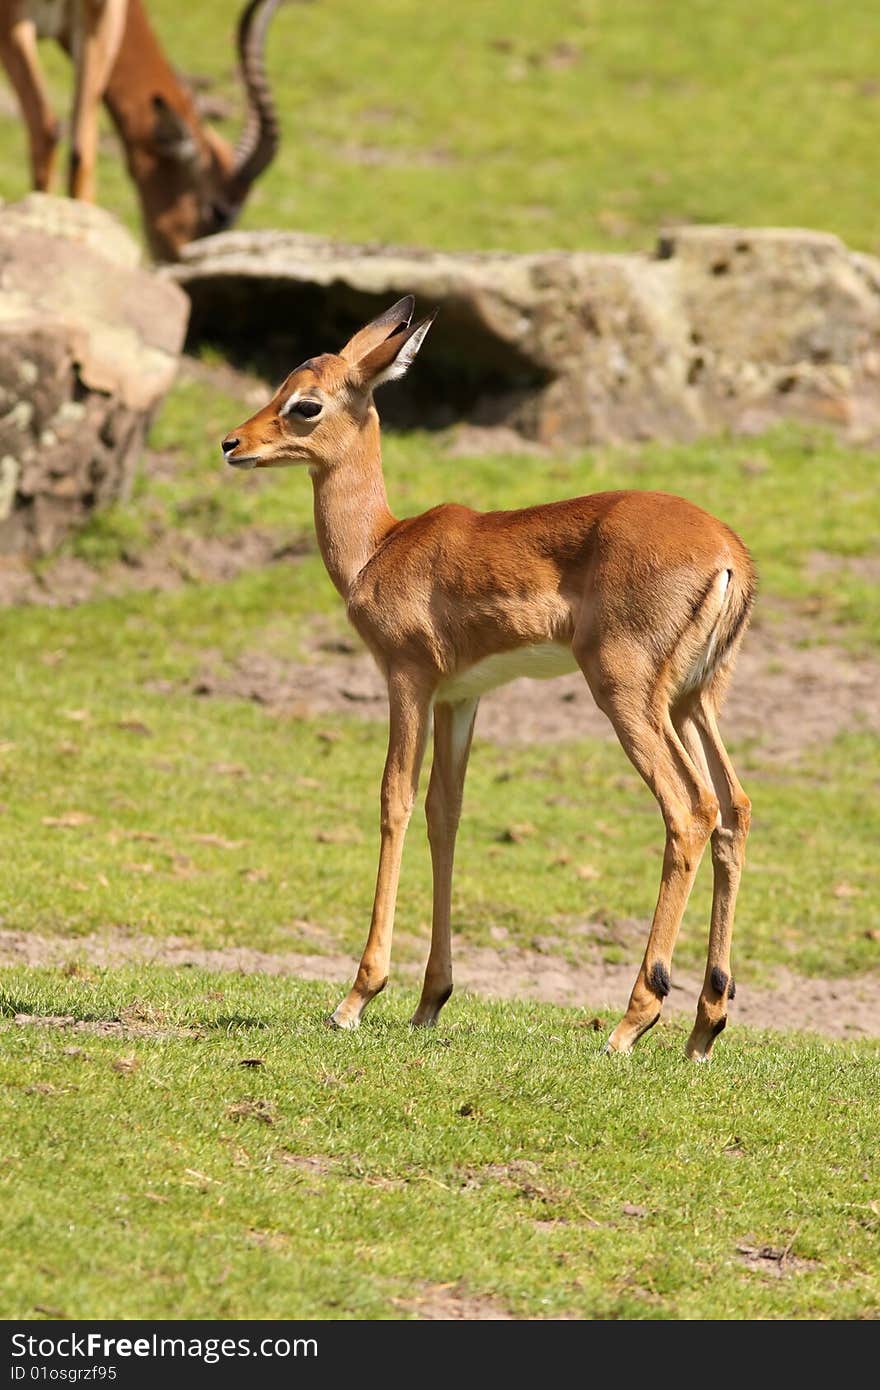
(98,35)
(453,731)
(728,856)
(18,51)
(410,711)
(690,809)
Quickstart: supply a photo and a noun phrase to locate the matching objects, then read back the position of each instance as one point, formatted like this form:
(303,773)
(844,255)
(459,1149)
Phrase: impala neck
(352,516)
(142,71)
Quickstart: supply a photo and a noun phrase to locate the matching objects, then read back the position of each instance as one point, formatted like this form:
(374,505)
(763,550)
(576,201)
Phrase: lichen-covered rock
(721,328)
(89,343)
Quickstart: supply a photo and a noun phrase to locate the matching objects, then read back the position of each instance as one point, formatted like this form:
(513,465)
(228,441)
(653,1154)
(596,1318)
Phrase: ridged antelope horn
(261,136)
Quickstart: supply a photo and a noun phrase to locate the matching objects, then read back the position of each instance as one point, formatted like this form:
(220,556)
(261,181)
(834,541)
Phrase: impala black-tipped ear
(393,358)
(394,321)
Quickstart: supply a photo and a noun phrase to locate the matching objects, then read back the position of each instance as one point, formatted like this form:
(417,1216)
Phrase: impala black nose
(229,446)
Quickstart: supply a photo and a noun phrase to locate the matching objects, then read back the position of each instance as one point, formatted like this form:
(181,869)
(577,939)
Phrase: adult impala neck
(352,516)
(141,72)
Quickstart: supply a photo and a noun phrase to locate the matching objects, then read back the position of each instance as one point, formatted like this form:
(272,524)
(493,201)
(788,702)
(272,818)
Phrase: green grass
(350,1174)
(570,123)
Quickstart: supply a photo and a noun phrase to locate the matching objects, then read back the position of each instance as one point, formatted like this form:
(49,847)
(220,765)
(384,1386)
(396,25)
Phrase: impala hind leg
(453,731)
(640,715)
(699,732)
(409,716)
(18,51)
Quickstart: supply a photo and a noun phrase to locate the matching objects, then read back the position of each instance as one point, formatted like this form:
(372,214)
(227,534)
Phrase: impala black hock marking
(718,980)
(658,979)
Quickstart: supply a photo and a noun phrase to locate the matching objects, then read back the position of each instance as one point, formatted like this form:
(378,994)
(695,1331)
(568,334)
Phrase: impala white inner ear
(404,359)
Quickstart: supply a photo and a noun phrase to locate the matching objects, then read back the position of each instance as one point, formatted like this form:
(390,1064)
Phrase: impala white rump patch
(542,661)
(704,664)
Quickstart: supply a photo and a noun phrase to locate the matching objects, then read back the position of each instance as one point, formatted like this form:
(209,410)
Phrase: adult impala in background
(189,180)
(646,593)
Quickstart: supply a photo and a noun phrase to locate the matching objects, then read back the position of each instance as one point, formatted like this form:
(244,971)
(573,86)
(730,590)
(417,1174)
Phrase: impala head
(316,415)
(193,183)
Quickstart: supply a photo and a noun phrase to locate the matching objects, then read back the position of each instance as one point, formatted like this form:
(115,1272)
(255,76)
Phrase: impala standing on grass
(646,593)
(189,181)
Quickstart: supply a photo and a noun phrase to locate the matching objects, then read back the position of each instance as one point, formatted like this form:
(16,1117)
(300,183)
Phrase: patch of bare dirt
(784,697)
(312,1164)
(520,1175)
(515,1173)
(451,1303)
(822,562)
(23,948)
(102,1027)
(775,1262)
(261,1110)
(845,1008)
(173,559)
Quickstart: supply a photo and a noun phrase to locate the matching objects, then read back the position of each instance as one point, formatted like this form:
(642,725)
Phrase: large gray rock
(722,328)
(89,343)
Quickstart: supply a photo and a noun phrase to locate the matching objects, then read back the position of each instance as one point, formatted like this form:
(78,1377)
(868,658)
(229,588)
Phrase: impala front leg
(410,711)
(97,38)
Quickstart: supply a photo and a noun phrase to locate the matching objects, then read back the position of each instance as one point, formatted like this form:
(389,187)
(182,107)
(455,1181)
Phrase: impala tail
(720,617)
(735,613)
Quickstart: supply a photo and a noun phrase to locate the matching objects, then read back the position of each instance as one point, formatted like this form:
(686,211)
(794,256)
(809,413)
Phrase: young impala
(646,593)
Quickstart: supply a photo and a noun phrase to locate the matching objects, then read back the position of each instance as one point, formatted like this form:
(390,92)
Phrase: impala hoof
(420,1020)
(345,1023)
(699,1044)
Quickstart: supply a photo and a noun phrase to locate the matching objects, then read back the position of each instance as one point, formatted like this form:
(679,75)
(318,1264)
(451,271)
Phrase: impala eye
(307,409)
(222,216)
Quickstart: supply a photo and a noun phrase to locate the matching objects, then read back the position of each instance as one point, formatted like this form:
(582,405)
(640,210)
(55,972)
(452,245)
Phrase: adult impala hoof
(345,1022)
(424,1019)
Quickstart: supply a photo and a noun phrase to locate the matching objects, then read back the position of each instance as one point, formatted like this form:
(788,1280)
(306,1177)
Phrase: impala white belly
(540,662)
